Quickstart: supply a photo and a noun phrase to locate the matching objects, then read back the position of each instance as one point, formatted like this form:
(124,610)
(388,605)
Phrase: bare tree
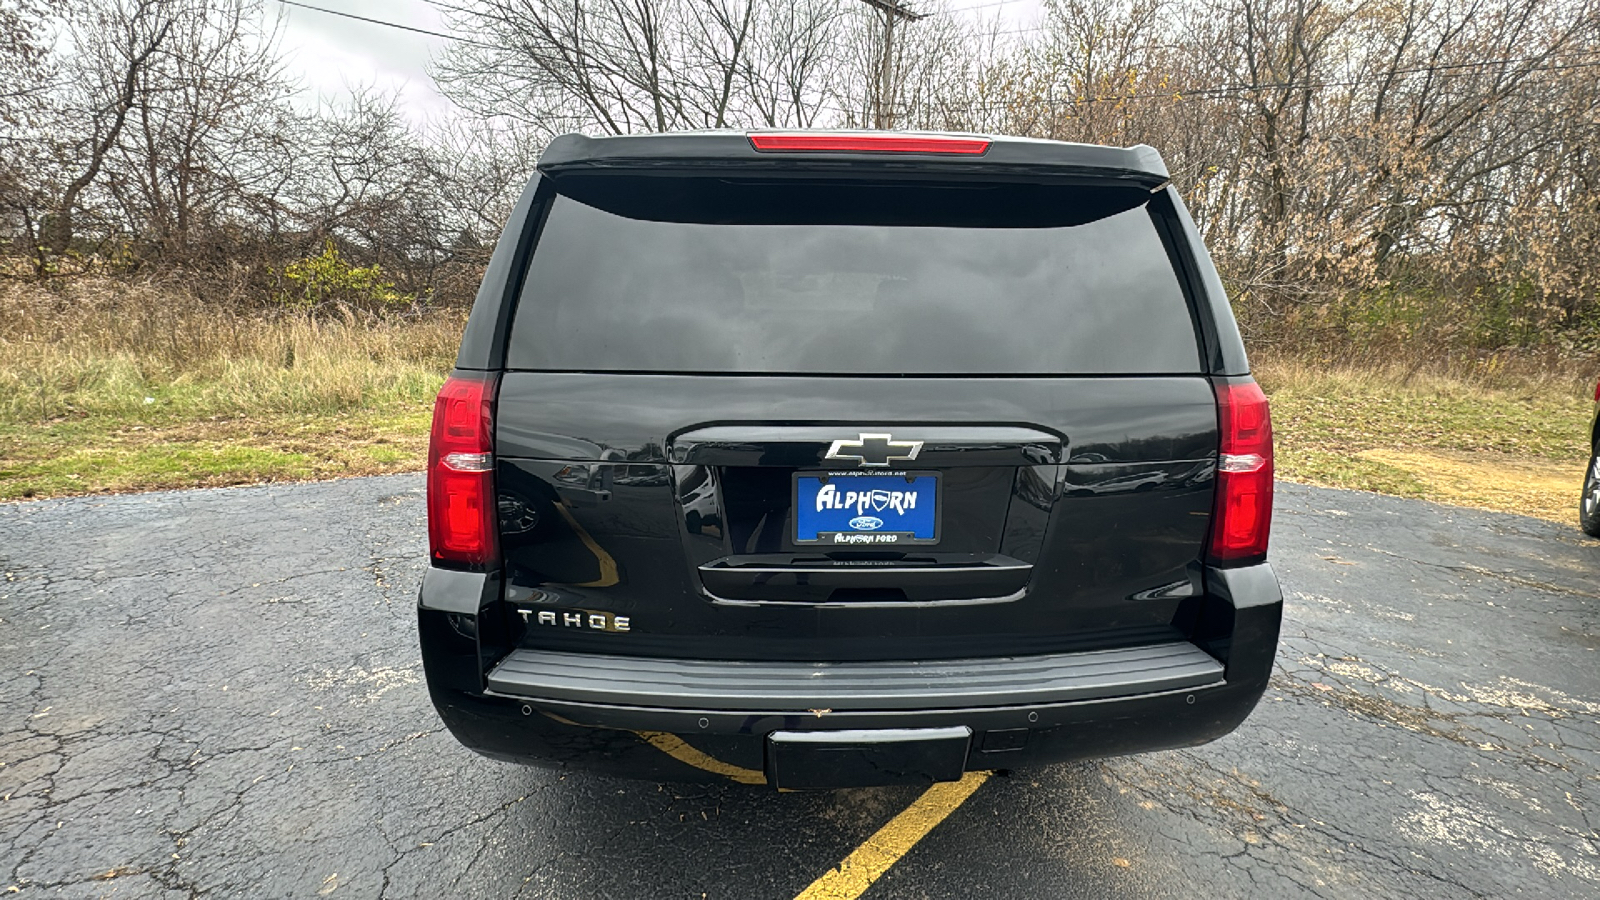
(1348,160)
(205,108)
(27,72)
(792,57)
(623,66)
(115,43)
(1454,72)
(25,67)
(923,73)
(884,82)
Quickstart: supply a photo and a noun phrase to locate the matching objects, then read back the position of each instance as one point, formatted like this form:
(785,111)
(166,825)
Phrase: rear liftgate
(838,514)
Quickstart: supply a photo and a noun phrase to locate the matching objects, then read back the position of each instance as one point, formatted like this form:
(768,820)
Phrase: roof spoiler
(735,153)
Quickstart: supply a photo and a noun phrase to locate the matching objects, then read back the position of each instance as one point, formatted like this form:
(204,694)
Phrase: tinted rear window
(672,275)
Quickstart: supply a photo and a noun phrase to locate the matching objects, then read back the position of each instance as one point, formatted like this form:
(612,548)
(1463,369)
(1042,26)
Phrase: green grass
(106,454)
(145,467)
(118,387)
(388,455)
(1345,409)
(1333,468)
(1449,439)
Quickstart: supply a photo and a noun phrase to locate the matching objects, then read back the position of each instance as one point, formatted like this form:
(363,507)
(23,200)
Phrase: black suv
(833,459)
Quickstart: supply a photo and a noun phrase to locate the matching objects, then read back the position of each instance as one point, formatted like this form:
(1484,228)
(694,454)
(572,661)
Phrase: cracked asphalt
(217,693)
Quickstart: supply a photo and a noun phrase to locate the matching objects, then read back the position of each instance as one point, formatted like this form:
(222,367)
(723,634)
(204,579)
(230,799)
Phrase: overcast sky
(330,53)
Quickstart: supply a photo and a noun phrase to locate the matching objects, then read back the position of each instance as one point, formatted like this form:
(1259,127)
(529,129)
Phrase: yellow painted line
(678,749)
(868,862)
(608,566)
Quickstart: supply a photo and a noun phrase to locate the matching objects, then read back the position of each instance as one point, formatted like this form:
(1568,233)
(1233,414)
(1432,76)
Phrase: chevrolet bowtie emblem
(874,450)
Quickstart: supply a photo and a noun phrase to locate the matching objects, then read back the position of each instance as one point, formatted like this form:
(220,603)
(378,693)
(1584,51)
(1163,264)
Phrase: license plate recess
(866,509)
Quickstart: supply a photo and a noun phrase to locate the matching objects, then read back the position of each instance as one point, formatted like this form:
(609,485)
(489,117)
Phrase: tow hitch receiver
(824,760)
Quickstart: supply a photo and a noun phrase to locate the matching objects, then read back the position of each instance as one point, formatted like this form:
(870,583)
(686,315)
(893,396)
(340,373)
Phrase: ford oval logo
(866,523)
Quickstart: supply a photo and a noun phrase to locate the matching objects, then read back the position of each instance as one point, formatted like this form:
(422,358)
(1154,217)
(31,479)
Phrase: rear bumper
(668,720)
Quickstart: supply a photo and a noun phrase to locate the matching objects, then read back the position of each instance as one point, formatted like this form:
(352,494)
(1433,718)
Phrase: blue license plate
(881,509)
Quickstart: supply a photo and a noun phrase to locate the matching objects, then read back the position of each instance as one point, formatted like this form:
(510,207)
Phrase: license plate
(860,510)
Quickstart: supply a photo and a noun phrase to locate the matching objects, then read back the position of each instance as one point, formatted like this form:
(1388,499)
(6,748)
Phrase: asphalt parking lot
(217,694)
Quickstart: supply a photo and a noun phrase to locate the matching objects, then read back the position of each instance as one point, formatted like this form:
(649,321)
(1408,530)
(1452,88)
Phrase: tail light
(1242,516)
(462,522)
(1597,392)
(868,143)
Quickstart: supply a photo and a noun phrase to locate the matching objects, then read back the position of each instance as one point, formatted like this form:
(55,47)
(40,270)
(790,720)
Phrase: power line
(388,24)
(454,8)
(965,9)
(1452,70)
(883,88)
(895,10)
(1226,90)
(974,6)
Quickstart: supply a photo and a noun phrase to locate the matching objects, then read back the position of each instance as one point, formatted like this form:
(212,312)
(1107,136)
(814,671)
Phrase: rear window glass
(667,275)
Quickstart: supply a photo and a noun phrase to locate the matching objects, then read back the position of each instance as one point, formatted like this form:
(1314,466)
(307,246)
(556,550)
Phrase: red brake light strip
(867,143)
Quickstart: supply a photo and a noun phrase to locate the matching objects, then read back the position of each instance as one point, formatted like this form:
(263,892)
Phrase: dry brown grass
(97,346)
(107,385)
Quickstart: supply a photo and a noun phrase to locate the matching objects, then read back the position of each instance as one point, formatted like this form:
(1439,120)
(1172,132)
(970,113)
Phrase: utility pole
(883,96)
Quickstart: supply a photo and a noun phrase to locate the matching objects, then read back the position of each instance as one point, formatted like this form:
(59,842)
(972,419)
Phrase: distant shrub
(328,279)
